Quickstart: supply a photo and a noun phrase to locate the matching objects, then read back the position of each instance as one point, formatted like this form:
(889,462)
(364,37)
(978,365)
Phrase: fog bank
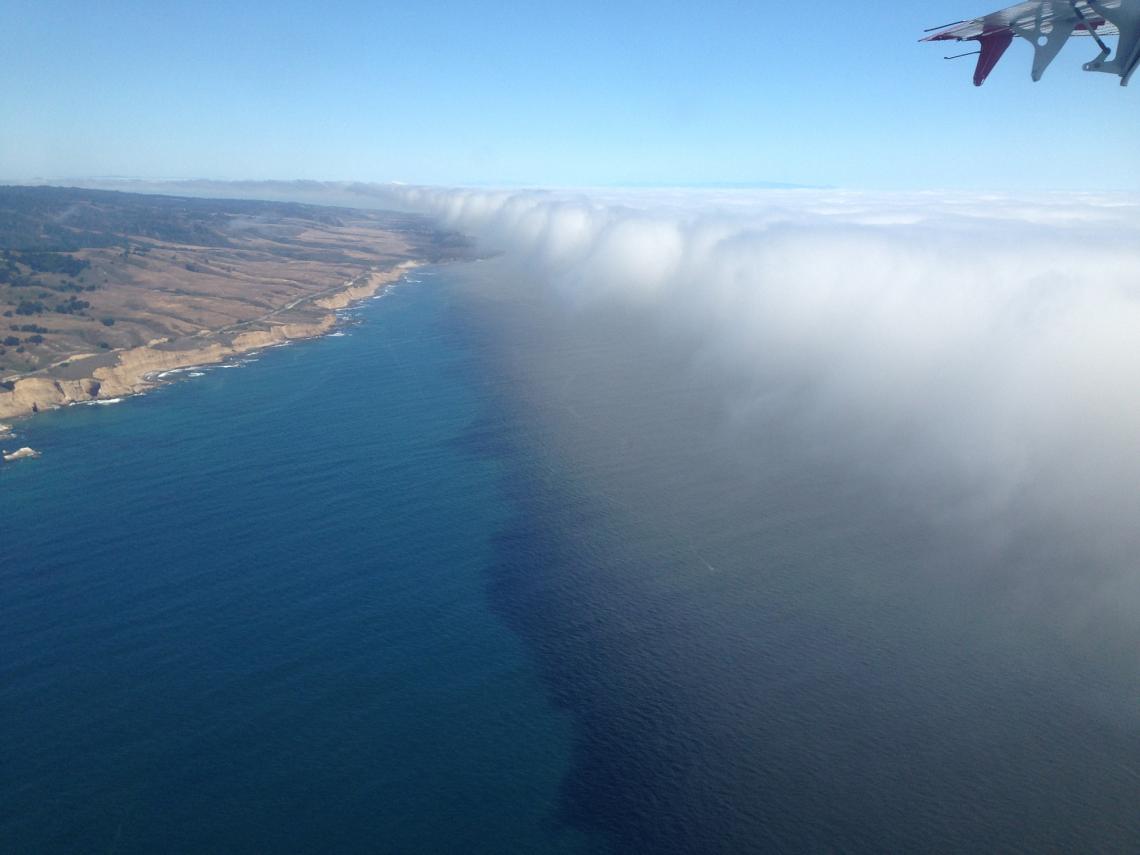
(988,346)
(982,351)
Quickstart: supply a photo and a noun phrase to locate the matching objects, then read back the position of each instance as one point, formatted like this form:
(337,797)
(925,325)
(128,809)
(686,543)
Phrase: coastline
(89,378)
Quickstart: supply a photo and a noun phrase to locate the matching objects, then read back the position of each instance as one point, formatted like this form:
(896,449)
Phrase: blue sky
(585,93)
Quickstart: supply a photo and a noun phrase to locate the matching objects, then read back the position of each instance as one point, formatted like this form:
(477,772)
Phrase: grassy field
(89,272)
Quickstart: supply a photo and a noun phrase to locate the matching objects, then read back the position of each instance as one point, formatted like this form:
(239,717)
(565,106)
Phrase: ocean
(495,573)
(249,612)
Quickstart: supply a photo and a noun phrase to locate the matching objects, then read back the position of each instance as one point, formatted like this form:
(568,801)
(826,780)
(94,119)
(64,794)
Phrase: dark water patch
(763,648)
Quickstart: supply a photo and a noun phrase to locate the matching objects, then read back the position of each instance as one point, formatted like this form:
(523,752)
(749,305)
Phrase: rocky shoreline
(6,456)
(95,377)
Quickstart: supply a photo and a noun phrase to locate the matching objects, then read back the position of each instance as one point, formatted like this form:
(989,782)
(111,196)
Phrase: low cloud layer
(981,351)
(1003,333)
(986,343)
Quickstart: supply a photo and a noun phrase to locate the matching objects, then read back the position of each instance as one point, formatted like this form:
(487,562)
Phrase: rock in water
(20,454)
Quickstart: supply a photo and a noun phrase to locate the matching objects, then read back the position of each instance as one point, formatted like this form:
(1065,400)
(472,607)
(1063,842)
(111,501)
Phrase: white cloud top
(989,344)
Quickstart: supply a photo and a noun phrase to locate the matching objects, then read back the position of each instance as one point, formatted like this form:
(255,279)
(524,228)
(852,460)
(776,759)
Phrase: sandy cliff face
(365,286)
(351,294)
(39,393)
(135,369)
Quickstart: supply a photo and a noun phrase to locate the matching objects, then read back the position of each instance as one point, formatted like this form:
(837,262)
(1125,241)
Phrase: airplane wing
(1047,25)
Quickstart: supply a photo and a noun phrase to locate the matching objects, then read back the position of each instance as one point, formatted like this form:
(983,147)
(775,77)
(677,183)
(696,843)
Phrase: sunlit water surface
(490,573)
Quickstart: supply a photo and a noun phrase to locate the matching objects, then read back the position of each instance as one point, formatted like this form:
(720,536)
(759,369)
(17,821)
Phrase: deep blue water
(248,612)
(494,574)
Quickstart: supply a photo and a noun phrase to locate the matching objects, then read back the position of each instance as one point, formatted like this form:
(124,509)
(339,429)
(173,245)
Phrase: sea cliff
(92,377)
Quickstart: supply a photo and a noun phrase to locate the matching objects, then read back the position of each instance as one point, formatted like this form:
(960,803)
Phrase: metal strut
(1126,19)
(1047,37)
(1091,28)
